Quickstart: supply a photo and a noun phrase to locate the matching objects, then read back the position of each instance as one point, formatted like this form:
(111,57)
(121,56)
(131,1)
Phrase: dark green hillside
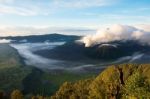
(42,38)
(71,51)
(47,83)
(8,56)
(15,75)
(12,72)
(126,81)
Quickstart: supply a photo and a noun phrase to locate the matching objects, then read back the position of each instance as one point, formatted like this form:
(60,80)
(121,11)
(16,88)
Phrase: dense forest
(125,81)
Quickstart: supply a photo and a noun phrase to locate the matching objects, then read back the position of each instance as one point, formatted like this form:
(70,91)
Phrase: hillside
(110,51)
(12,71)
(42,38)
(8,56)
(127,81)
(15,74)
(78,67)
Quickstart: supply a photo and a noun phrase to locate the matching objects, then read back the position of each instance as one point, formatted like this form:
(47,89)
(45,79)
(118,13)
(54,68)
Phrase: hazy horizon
(69,17)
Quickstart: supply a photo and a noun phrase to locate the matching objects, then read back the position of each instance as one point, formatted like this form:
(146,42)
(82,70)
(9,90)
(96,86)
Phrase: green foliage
(16,94)
(124,81)
(78,90)
(57,79)
(97,90)
(136,86)
(39,97)
(9,57)
(12,78)
(127,81)
(12,72)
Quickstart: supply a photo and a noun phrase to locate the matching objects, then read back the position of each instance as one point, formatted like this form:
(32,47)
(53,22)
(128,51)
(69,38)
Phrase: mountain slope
(8,56)
(127,81)
(42,38)
(12,71)
(106,51)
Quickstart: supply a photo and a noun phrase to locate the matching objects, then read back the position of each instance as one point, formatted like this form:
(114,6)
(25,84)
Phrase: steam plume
(117,32)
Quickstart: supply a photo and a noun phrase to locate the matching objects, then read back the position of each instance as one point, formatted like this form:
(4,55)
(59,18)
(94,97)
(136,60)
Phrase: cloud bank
(24,31)
(5,41)
(81,3)
(45,7)
(117,32)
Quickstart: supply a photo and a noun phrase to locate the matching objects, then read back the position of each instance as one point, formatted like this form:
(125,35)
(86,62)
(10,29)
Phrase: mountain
(116,49)
(71,61)
(69,51)
(126,81)
(72,50)
(105,51)
(12,70)
(42,38)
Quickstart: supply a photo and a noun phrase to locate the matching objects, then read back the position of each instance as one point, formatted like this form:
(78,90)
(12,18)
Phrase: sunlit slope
(127,81)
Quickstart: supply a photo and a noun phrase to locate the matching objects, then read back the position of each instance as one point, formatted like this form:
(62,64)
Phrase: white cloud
(45,7)
(117,16)
(6,1)
(5,41)
(145,27)
(81,3)
(23,8)
(117,32)
(22,31)
(17,10)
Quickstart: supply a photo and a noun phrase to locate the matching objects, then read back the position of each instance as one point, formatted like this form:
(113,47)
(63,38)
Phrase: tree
(16,94)
(136,87)
(126,81)
(65,91)
(1,95)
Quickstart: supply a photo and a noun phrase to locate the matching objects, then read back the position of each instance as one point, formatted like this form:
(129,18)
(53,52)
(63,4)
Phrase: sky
(24,17)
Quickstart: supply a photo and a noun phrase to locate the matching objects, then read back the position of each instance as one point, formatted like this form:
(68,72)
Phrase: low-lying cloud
(26,51)
(5,41)
(117,32)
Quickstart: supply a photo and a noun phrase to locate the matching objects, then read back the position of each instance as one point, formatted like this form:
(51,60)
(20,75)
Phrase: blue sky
(72,14)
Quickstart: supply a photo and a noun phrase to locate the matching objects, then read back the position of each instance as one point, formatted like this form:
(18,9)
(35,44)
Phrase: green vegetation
(137,87)
(15,75)
(57,79)
(127,81)
(8,57)
(48,83)
(12,78)
(12,72)
(16,94)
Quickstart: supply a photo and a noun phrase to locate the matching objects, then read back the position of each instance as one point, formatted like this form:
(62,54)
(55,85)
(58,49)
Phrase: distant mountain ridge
(42,38)
(72,50)
(106,51)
